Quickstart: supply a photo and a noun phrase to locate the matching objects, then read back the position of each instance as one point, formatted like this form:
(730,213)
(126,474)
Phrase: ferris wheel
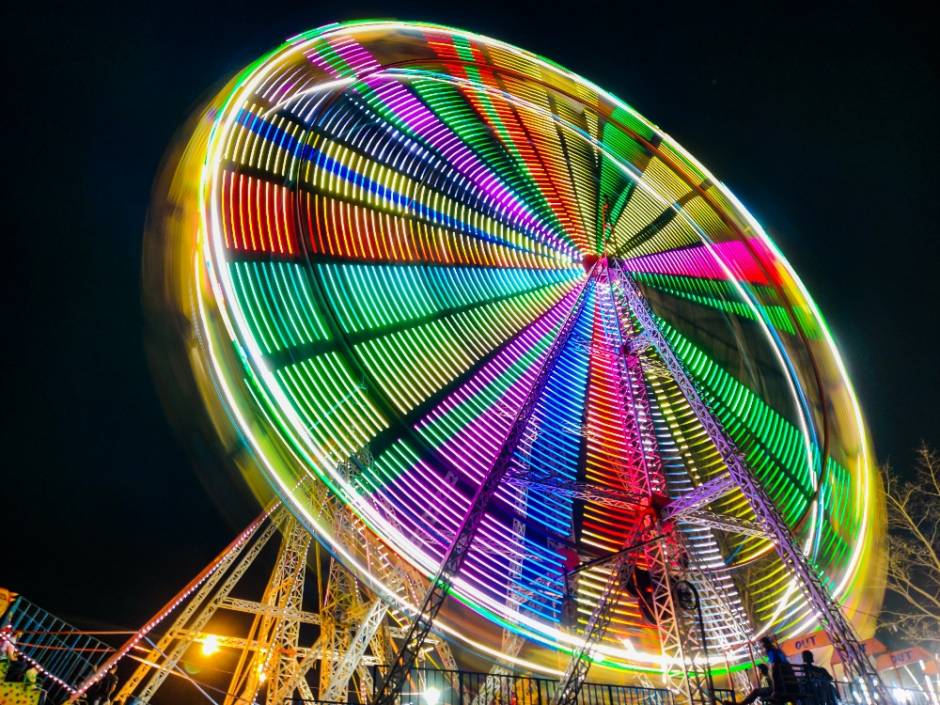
(530,345)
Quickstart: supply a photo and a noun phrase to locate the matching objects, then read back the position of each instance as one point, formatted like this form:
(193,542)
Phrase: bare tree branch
(914,551)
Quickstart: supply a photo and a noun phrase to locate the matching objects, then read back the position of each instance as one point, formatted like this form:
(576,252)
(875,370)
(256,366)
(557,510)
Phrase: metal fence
(440,687)
(813,689)
(62,654)
(427,686)
(851,694)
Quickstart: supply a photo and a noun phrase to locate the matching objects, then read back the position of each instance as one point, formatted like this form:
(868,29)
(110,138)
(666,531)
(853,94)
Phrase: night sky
(824,122)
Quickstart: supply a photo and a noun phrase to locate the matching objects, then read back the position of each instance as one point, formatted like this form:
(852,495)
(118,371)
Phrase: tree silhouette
(914,550)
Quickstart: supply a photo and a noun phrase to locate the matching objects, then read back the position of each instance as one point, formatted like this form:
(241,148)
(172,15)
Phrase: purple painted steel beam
(388,690)
(706,493)
(575,490)
(642,455)
(828,612)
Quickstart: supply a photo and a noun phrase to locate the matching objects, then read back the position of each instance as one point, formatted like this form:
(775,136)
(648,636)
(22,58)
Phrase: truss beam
(827,610)
(388,690)
(727,524)
(576,490)
(193,618)
(252,607)
(277,662)
(355,652)
(702,495)
(580,662)
(511,642)
(641,474)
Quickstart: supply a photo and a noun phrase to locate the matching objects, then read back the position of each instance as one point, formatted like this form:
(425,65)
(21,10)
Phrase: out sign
(807,642)
(903,657)
(815,640)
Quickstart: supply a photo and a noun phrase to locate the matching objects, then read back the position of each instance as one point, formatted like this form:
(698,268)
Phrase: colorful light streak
(383,227)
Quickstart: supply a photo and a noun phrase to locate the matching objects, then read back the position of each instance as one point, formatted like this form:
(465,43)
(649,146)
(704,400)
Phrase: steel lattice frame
(389,690)
(830,614)
(274,664)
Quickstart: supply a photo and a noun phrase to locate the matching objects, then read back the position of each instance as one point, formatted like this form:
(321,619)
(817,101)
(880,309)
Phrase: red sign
(872,647)
(904,657)
(816,640)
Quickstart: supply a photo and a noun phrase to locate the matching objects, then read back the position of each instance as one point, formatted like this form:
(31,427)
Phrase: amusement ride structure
(538,384)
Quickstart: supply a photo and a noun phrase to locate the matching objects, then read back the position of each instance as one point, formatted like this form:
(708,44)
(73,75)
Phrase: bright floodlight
(210,644)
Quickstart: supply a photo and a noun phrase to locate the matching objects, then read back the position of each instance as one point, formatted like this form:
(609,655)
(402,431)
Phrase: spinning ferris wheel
(512,331)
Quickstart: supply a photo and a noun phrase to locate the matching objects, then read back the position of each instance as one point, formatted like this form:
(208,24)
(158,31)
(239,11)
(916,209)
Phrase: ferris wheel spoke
(372,388)
(454,110)
(449,322)
(257,209)
(336,227)
(727,262)
(579,159)
(615,188)
(712,293)
(547,157)
(475,466)
(510,348)
(348,146)
(646,236)
(619,455)
(390,97)
(520,130)
(551,449)
(517,158)
(410,365)
(578,170)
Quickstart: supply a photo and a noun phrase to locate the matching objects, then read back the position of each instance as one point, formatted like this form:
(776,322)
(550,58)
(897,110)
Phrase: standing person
(786,687)
(817,683)
(764,689)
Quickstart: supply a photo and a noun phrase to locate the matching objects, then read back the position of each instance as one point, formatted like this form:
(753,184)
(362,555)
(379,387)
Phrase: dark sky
(824,122)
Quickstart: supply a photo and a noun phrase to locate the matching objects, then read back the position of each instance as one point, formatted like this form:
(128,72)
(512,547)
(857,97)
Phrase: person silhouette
(763,691)
(786,687)
(817,683)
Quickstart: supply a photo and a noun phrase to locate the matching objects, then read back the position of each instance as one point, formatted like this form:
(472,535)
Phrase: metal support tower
(661,558)
(273,665)
(388,690)
(339,603)
(163,659)
(342,604)
(827,610)
(277,616)
(276,625)
(641,474)
(510,643)
(580,663)
(399,580)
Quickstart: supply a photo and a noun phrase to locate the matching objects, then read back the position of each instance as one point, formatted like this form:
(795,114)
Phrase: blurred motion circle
(368,242)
